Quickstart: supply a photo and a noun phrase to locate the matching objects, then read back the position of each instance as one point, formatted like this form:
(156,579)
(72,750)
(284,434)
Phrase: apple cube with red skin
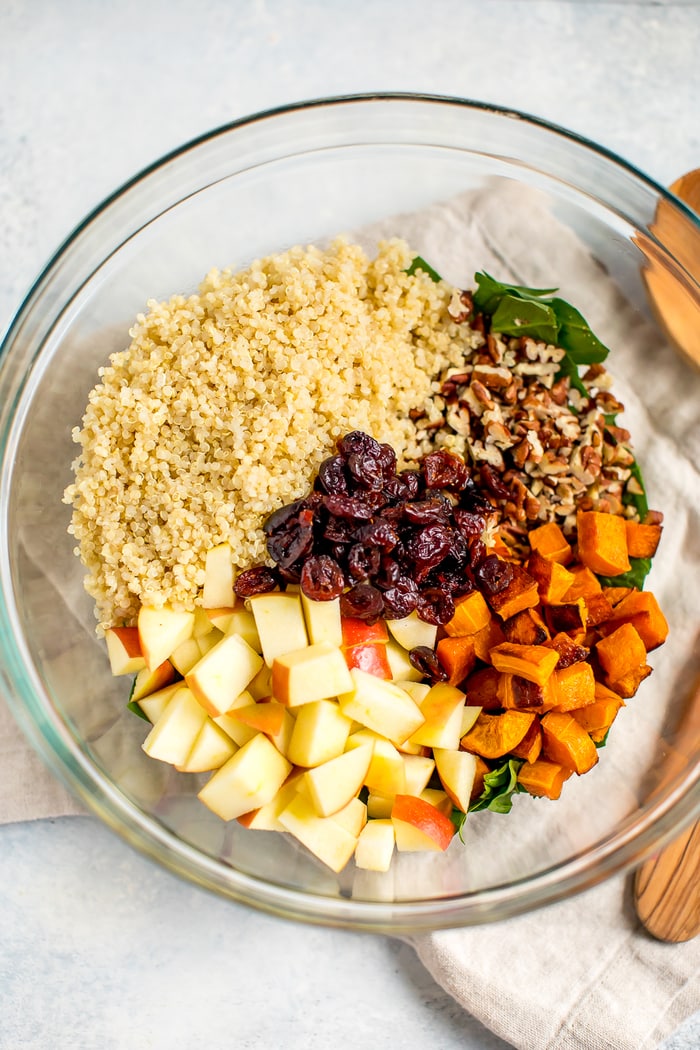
(358,632)
(370,658)
(420,826)
(124,650)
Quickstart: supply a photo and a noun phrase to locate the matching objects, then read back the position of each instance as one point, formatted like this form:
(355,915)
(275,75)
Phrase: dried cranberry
(293,541)
(477,550)
(400,599)
(389,572)
(493,574)
(338,530)
(427,548)
(455,583)
(322,578)
(353,507)
(459,549)
(469,523)
(258,580)
(406,486)
(363,561)
(362,601)
(425,660)
(427,512)
(443,470)
(292,574)
(526,694)
(435,605)
(280,518)
(331,475)
(357,442)
(492,482)
(380,534)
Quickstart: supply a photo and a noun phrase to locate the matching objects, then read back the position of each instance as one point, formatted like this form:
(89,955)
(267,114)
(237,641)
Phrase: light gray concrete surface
(98,948)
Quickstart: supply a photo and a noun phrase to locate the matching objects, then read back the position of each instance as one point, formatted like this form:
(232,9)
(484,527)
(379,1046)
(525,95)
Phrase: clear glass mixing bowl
(302,174)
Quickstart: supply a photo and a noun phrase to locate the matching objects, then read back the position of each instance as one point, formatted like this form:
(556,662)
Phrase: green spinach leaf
(637,499)
(499,787)
(420,264)
(135,709)
(638,572)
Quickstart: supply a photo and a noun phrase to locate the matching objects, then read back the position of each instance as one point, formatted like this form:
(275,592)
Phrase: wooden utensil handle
(667,889)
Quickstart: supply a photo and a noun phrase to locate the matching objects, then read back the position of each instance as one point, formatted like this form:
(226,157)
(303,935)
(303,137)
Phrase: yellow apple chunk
(243,622)
(402,670)
(154,704)
(124,650)
(381,706)
(375,846)
(420,826)
(418,771)
(161,631)
(250,779)
(210,750)
(319,734)
(469,716)
(172,737)
(323,621)
(437,798)
(279,619)
(352,817)
(237,731)
(147,682)
(266,818)
(323,836)
(334,783)
(442,711)
(222,675)
(260,687)
(316,672)
(387,773)
(412,631)
(221,618)
(218,577)
(456,770)
(379,806)
(185,656)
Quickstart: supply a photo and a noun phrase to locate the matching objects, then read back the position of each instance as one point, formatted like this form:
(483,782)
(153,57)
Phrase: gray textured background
(97,946)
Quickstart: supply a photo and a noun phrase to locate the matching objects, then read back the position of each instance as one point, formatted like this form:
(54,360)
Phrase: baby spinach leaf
(489,292)
(135,709)
(638,499)
(499,787)
(603,742)
(458,817)
(582,346)
(635,577)
(420,264)
(516,316)
(568,368)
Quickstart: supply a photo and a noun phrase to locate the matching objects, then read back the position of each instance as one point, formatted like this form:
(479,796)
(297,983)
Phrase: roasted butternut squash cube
(457,657)
(641,609)
(572,687)
(493,736)
(602,542)
(567,617)
(622,657)
(481,688)
(549,541)
(553,580)
(534,662)
(530,746)
(518,694)
(526,628)
(487,638)
(543,779)
(472,614)
(642,540)
(567,743)
(521,593)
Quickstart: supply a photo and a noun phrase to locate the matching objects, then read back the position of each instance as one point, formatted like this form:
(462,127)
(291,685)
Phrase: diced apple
(322,621)
(418,771)
(260,687)
(323,836)
(239,733)
(416,690)
(148,682)
(154,704)
(381,706)
(243,622)
(438,798)
(470,714)
(202,623)
(222,675)
(281,736)
(264,717)
(370,658)
(379,806)
(402,670)
(359,632)
(250,779)
(315,672)
(218,577)
(411,631)
(221,618)
(279,619)
(375,846)
(456,770)
(210,750)
(352,817)
(361,736)
(206,642)
(172,737)
(420,826)
(319,734)
(161,631)
(442,712)
(124,650)
(266,818)
(387,773)
(334,783)
(185,656)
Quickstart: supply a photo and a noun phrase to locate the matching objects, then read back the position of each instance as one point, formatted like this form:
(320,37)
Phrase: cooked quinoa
(226,401)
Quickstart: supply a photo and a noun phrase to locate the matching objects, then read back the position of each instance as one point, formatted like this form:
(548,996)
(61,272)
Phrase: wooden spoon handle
(667,889)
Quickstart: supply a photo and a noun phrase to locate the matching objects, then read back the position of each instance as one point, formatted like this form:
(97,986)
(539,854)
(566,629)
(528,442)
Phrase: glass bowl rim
(619,851)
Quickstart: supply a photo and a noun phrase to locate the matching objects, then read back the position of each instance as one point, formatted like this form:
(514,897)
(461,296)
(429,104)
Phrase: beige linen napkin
(580,975)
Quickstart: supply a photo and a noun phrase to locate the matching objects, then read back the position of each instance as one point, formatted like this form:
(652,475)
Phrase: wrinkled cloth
(580,974)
